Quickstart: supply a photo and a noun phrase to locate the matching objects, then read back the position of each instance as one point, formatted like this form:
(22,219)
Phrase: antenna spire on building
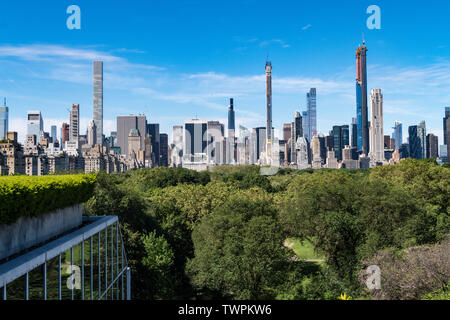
(364,41)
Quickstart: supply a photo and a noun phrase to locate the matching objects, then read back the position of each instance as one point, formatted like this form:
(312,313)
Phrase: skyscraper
(124,126)
(311,106)
(340,140)
(305,124)
(4,111)
(446,125)
(422,134)
(155,137)
(361,99)
(415,145)
(397,135)
(65,133)
(354,133)
(35,123)
(98,101)
(164,150)
(216,131)
(287,133)
(260,141)
(447,130)
(376,126)
(53,134)
(269,133)
(74,129)
(92,134)
(432,146)
(195,139)
(231,123)
(297,132)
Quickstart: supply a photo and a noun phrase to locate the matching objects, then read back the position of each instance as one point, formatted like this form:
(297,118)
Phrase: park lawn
(304,250)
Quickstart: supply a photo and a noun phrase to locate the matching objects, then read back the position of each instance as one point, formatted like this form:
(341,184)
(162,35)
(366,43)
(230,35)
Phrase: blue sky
(176,60)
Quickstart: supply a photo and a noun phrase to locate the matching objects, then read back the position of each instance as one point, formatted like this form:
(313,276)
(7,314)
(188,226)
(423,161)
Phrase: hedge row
(23,196)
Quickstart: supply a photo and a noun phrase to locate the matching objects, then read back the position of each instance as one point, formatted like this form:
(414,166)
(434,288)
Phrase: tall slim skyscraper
(361,99)
(422,134)
(53,134)
(376,126)
(4,115)
(446,126)
(311,105)
(231,122)
(98,100)
(269,132)
(35,123)
(74,129)
(397,135)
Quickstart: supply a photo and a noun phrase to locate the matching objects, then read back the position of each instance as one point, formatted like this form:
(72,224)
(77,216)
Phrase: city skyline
(169,90)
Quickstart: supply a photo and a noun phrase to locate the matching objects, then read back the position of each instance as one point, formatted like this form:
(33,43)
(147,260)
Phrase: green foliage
(24,196)
(441,294)
(239,250)
(220,234)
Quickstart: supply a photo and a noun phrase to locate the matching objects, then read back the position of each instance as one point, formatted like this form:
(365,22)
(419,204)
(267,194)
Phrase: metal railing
(105,280)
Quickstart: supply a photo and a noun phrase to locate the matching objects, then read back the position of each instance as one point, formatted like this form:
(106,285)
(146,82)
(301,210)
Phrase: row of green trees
(221,234)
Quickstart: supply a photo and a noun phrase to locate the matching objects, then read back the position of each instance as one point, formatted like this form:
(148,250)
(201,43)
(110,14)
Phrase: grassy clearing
(303,250)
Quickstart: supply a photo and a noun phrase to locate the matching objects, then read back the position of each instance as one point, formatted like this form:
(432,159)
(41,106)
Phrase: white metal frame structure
(103,229)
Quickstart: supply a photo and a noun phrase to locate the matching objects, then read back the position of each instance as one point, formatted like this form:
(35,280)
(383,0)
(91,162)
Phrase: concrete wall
(28,232)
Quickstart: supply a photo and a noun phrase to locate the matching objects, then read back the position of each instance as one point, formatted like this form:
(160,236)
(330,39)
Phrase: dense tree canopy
(221,234)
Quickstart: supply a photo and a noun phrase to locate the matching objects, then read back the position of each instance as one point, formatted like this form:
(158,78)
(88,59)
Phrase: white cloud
(306,27)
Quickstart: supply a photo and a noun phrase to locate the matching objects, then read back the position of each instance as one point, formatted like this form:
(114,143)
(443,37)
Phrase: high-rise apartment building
(269,132)
(341,138)
(415,145)
(397,135)
(354,133)
(155,137)
(361,99)
(164,150)
(376,126)
(4,115)
(311,105)
(98,100)
(74,129)
(296,132)
(53,133)
(65,133)
(216,131)
(92,134)
(432,146)
(35,123)
(195,140)
(447,130)
(446,125)
(124,126)
(422,134)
